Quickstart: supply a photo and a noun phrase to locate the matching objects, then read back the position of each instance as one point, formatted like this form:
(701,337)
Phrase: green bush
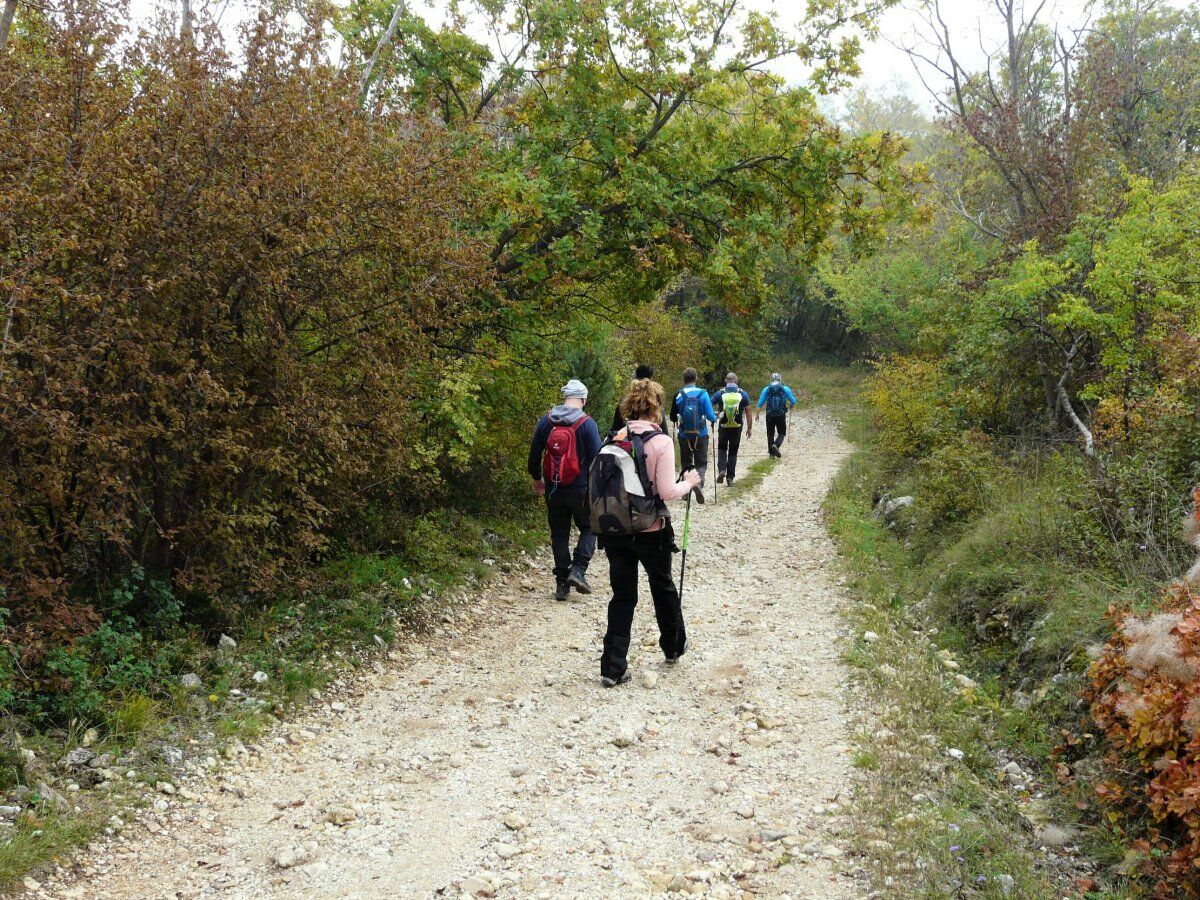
(953,481)
(69,691)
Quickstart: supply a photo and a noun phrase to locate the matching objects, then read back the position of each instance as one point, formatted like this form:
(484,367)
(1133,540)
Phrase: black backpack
(776,400)
(621,499)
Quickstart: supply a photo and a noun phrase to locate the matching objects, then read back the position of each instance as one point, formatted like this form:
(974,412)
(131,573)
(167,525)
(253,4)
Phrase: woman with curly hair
(651,548)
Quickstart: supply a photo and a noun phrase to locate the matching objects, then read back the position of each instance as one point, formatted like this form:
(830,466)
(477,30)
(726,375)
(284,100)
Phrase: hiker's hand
(539,487)
(692,477)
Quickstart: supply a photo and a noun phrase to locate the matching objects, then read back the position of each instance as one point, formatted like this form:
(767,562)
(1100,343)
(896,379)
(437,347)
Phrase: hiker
(733,409)
(779,400)
(565,442)
(631,480)
(692,411)
(618,422)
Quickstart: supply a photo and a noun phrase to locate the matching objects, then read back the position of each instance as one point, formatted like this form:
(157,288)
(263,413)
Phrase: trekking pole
(687,531)
(712,454)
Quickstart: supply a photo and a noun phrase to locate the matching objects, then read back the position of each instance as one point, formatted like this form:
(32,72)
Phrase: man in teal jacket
(778,398)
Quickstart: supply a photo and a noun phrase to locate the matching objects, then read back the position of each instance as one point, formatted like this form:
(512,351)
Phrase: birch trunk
(6,20)
(384,40)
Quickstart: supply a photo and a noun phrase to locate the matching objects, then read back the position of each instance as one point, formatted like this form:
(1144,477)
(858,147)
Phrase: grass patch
(39,837)
(934,819)
(749,480)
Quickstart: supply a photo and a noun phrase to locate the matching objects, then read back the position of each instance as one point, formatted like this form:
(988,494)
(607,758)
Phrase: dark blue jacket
(587,444)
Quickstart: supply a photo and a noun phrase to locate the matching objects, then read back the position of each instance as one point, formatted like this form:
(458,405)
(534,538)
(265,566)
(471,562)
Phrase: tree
(630,141)
(1137,113)
(1017,112)
(231,297)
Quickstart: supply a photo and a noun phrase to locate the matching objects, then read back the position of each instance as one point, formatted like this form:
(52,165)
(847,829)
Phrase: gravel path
(488,761)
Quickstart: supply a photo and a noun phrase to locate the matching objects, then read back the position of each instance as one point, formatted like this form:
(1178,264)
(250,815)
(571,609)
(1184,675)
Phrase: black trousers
(728,442)
(563,508)
(653,551)
(693,454)
(776,425)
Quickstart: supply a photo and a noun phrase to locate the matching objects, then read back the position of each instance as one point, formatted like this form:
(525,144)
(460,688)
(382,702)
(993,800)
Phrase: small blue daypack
(690,415)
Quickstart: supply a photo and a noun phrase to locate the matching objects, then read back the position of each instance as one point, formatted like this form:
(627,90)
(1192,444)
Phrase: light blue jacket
(787,393)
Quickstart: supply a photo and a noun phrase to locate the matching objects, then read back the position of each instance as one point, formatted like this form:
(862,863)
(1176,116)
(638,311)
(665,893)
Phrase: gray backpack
(620,496)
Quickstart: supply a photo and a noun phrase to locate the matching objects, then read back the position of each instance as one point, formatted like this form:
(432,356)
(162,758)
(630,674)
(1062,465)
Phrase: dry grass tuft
(1153,647)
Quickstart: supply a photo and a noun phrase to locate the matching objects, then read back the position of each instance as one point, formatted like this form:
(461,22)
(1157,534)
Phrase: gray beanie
(574,388)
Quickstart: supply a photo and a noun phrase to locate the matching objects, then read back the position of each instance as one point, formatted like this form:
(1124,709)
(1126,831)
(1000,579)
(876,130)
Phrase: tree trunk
(1064,399)
(384,40)
(6,20)
(185,23)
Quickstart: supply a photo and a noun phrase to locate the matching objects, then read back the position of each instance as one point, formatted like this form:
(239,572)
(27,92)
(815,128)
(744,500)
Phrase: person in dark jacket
(733,409)
(566,501)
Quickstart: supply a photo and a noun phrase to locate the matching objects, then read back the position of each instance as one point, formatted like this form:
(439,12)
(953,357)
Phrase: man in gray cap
(564,444)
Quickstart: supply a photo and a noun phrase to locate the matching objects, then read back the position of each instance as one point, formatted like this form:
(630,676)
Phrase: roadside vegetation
(1035,429)
(280,305)
(279,309)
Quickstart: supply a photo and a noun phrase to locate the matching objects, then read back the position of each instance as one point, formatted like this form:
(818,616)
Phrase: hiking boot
(699,494)
(729,481)
(720,478)
(579,581)
(613,682)
(672,660)
(562,591)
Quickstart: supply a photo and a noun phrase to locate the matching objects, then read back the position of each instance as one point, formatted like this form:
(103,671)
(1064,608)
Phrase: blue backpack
(776,400)
(690,415)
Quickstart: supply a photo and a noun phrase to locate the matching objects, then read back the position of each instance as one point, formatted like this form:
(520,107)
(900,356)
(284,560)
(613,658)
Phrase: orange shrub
(1145,694)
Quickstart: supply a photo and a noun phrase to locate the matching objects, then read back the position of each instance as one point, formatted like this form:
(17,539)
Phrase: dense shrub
(230,296)
(910,399)
(953,480)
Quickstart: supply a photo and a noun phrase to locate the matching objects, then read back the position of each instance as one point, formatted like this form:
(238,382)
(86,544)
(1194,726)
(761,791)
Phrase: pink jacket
(660,465)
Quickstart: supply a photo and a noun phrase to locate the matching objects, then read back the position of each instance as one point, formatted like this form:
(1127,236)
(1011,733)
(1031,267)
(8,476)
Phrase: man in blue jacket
(565,442)
(733,409)
(778,398)
(692,411)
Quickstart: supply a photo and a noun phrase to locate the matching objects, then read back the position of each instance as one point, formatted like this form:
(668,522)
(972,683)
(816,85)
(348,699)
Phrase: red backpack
(560,464)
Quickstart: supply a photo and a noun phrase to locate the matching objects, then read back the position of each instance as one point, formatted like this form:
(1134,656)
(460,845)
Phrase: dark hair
(643,371)
(689,375)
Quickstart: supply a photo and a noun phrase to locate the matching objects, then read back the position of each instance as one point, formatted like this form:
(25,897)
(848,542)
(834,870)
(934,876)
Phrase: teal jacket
(789,397)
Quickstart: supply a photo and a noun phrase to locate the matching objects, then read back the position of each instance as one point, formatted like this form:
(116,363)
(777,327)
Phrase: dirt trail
(483,761)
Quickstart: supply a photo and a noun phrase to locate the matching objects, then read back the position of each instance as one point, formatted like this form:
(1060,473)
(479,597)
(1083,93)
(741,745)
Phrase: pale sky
(883,61)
